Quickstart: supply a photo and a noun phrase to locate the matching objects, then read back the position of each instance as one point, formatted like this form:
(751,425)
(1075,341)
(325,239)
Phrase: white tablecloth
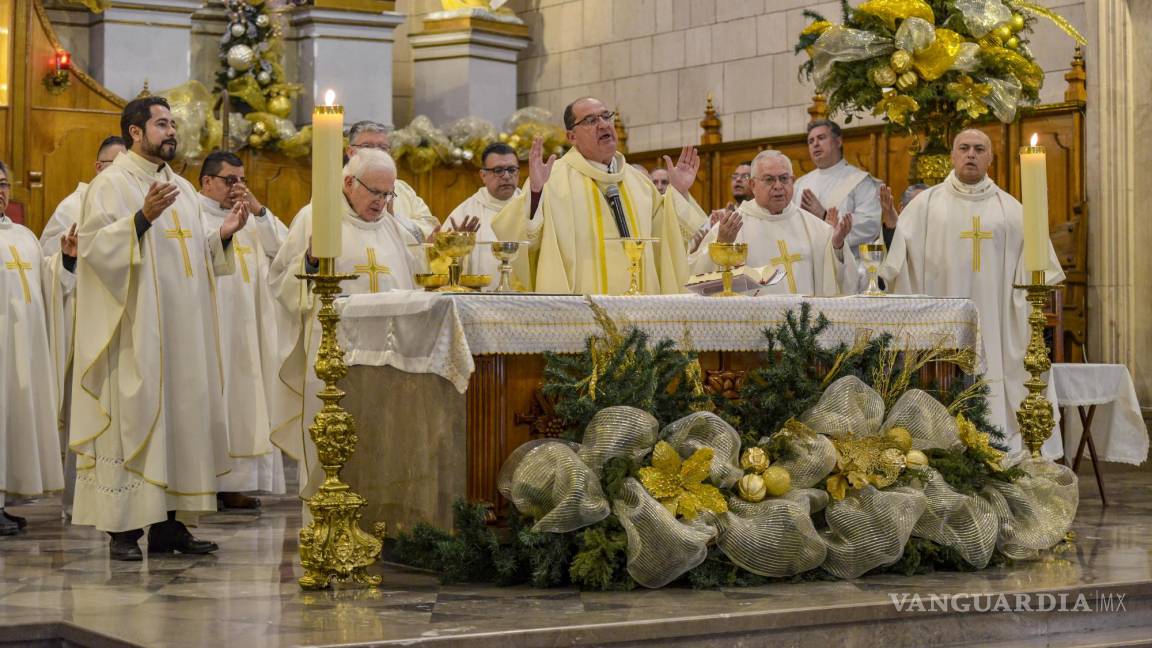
(437,333)
(1117,427)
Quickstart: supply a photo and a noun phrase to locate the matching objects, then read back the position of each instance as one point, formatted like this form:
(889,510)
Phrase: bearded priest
(570,219)
(964,238)
(809,250)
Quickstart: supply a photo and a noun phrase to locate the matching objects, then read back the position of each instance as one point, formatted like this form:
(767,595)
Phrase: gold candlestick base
(1035,413)
(333,547)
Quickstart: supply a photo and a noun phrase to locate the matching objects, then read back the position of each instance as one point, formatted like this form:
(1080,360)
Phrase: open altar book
(745,280)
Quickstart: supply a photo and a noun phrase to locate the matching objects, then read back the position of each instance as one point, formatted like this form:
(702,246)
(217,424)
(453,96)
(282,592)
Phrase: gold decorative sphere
(1003,32)
(280,106)
(883,76)
(241,57)
(259,129)
(1017,22)
(901,61)
(907,81)
(916,459)
(754,460)
(752,488)
(777,480)
(1012,43)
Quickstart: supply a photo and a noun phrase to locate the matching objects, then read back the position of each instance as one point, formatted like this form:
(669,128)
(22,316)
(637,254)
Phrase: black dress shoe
(8,527)
(123,546)
(20,521)
(173,536)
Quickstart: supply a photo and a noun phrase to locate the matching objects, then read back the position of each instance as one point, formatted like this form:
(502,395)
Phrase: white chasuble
(959,240)
(67,213)
(380,254)
(571,251)
(148,421)
(248,339)
(29,382)
(795,241)
(411,206)
(485,206)
(850,190)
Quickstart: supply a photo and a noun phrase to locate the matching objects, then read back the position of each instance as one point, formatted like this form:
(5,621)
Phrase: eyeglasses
(376,193)
(771,180)
(503,172)
(230,180)
(741,176)
(591,120)
(5,185)
(387,148)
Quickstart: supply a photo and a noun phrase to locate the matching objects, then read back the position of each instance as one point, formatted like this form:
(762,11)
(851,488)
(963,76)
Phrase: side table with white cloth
(1104,395)
(445,387)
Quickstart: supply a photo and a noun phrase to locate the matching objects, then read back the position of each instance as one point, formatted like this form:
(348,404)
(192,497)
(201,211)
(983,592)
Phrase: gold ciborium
(454,245)
(634,250)
(729,256)
(872,255)
(506,252)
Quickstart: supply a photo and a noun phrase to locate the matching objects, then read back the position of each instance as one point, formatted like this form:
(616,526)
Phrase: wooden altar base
(58,588)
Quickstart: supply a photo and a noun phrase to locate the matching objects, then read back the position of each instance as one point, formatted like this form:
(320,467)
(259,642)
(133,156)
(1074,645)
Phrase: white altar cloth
(1118,428)
(421,332)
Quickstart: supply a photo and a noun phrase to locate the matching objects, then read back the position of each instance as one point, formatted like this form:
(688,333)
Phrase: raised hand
(241,192)
(730,224)
(841,226)
(69,242)
(235,220)
(811,204)
(887,207)
(538,170)
(470,224)
(682,175)
(160,196)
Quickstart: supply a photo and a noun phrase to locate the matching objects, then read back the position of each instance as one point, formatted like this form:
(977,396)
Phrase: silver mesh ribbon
(1036,511)
(1004,98)
(965,523)
(550,483)
(842,44)
(810,458)
(869,528)
(706,430)
(619,431)
(929,422)
(982,16)
(660,547)
(848,406)
(914,34)
(774,537)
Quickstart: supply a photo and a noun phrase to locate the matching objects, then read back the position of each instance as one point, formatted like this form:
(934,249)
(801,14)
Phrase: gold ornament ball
(916,459)
(241,57)
(901,437)
(907,81)
(754,460)
(280,106)
(901,60)
(255,140)
(1017,22)
(262,21)
(777,480)
(503,137)
(260,129)
(752,488)
(1012,43)
(883,76)
(1003,32)
(514,141)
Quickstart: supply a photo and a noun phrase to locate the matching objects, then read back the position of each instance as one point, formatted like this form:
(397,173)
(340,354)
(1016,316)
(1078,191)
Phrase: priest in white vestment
(835,183)
(570,221)
(807,249)
(411,209)
(377,250)
(500,173)
(148,419)
(248,340)
(964,238)
(63,221)
(31,289)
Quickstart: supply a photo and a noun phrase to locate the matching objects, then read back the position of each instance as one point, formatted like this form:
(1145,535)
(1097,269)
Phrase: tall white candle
(1034,195)
(327,146)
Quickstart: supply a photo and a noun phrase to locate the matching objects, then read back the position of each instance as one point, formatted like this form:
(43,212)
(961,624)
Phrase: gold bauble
(280,106)
(752,488)
(754,460)
(1017,22)
(1003,32)
(241,57)
(259,129)
(255,141)
(916,459)
(503,137)
(777,481)
(883,76)
(1012,43)
(901,437)
(907,81)
(901,61)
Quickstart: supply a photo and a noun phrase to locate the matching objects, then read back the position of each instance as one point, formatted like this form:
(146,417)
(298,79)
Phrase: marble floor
(57,587)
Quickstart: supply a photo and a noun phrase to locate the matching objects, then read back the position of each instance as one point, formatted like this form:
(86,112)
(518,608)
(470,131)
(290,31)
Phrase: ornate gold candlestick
(333,546)
(1035,413)
(728,255)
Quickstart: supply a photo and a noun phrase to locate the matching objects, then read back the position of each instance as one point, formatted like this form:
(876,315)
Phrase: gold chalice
(454,245)
(728,255)
(506,252)
(475,281)
(634,250)
(872,255)
(429,281)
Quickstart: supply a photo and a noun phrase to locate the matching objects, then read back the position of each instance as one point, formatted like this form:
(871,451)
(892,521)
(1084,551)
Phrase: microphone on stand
(612,195)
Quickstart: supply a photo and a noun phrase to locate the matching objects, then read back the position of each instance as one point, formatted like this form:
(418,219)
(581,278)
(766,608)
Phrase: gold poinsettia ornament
(896,107)
(872,460)
(679,484)
(973,438)
(969,96)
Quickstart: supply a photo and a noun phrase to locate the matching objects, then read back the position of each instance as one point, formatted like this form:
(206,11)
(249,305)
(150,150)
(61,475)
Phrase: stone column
(465,66)
(346,45)
(142,39)
(208,25)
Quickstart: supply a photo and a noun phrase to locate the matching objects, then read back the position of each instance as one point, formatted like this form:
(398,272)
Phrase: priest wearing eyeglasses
(577,204)
(500,173)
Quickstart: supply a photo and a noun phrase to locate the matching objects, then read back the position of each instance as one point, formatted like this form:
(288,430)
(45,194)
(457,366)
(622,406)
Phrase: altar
(464,373)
